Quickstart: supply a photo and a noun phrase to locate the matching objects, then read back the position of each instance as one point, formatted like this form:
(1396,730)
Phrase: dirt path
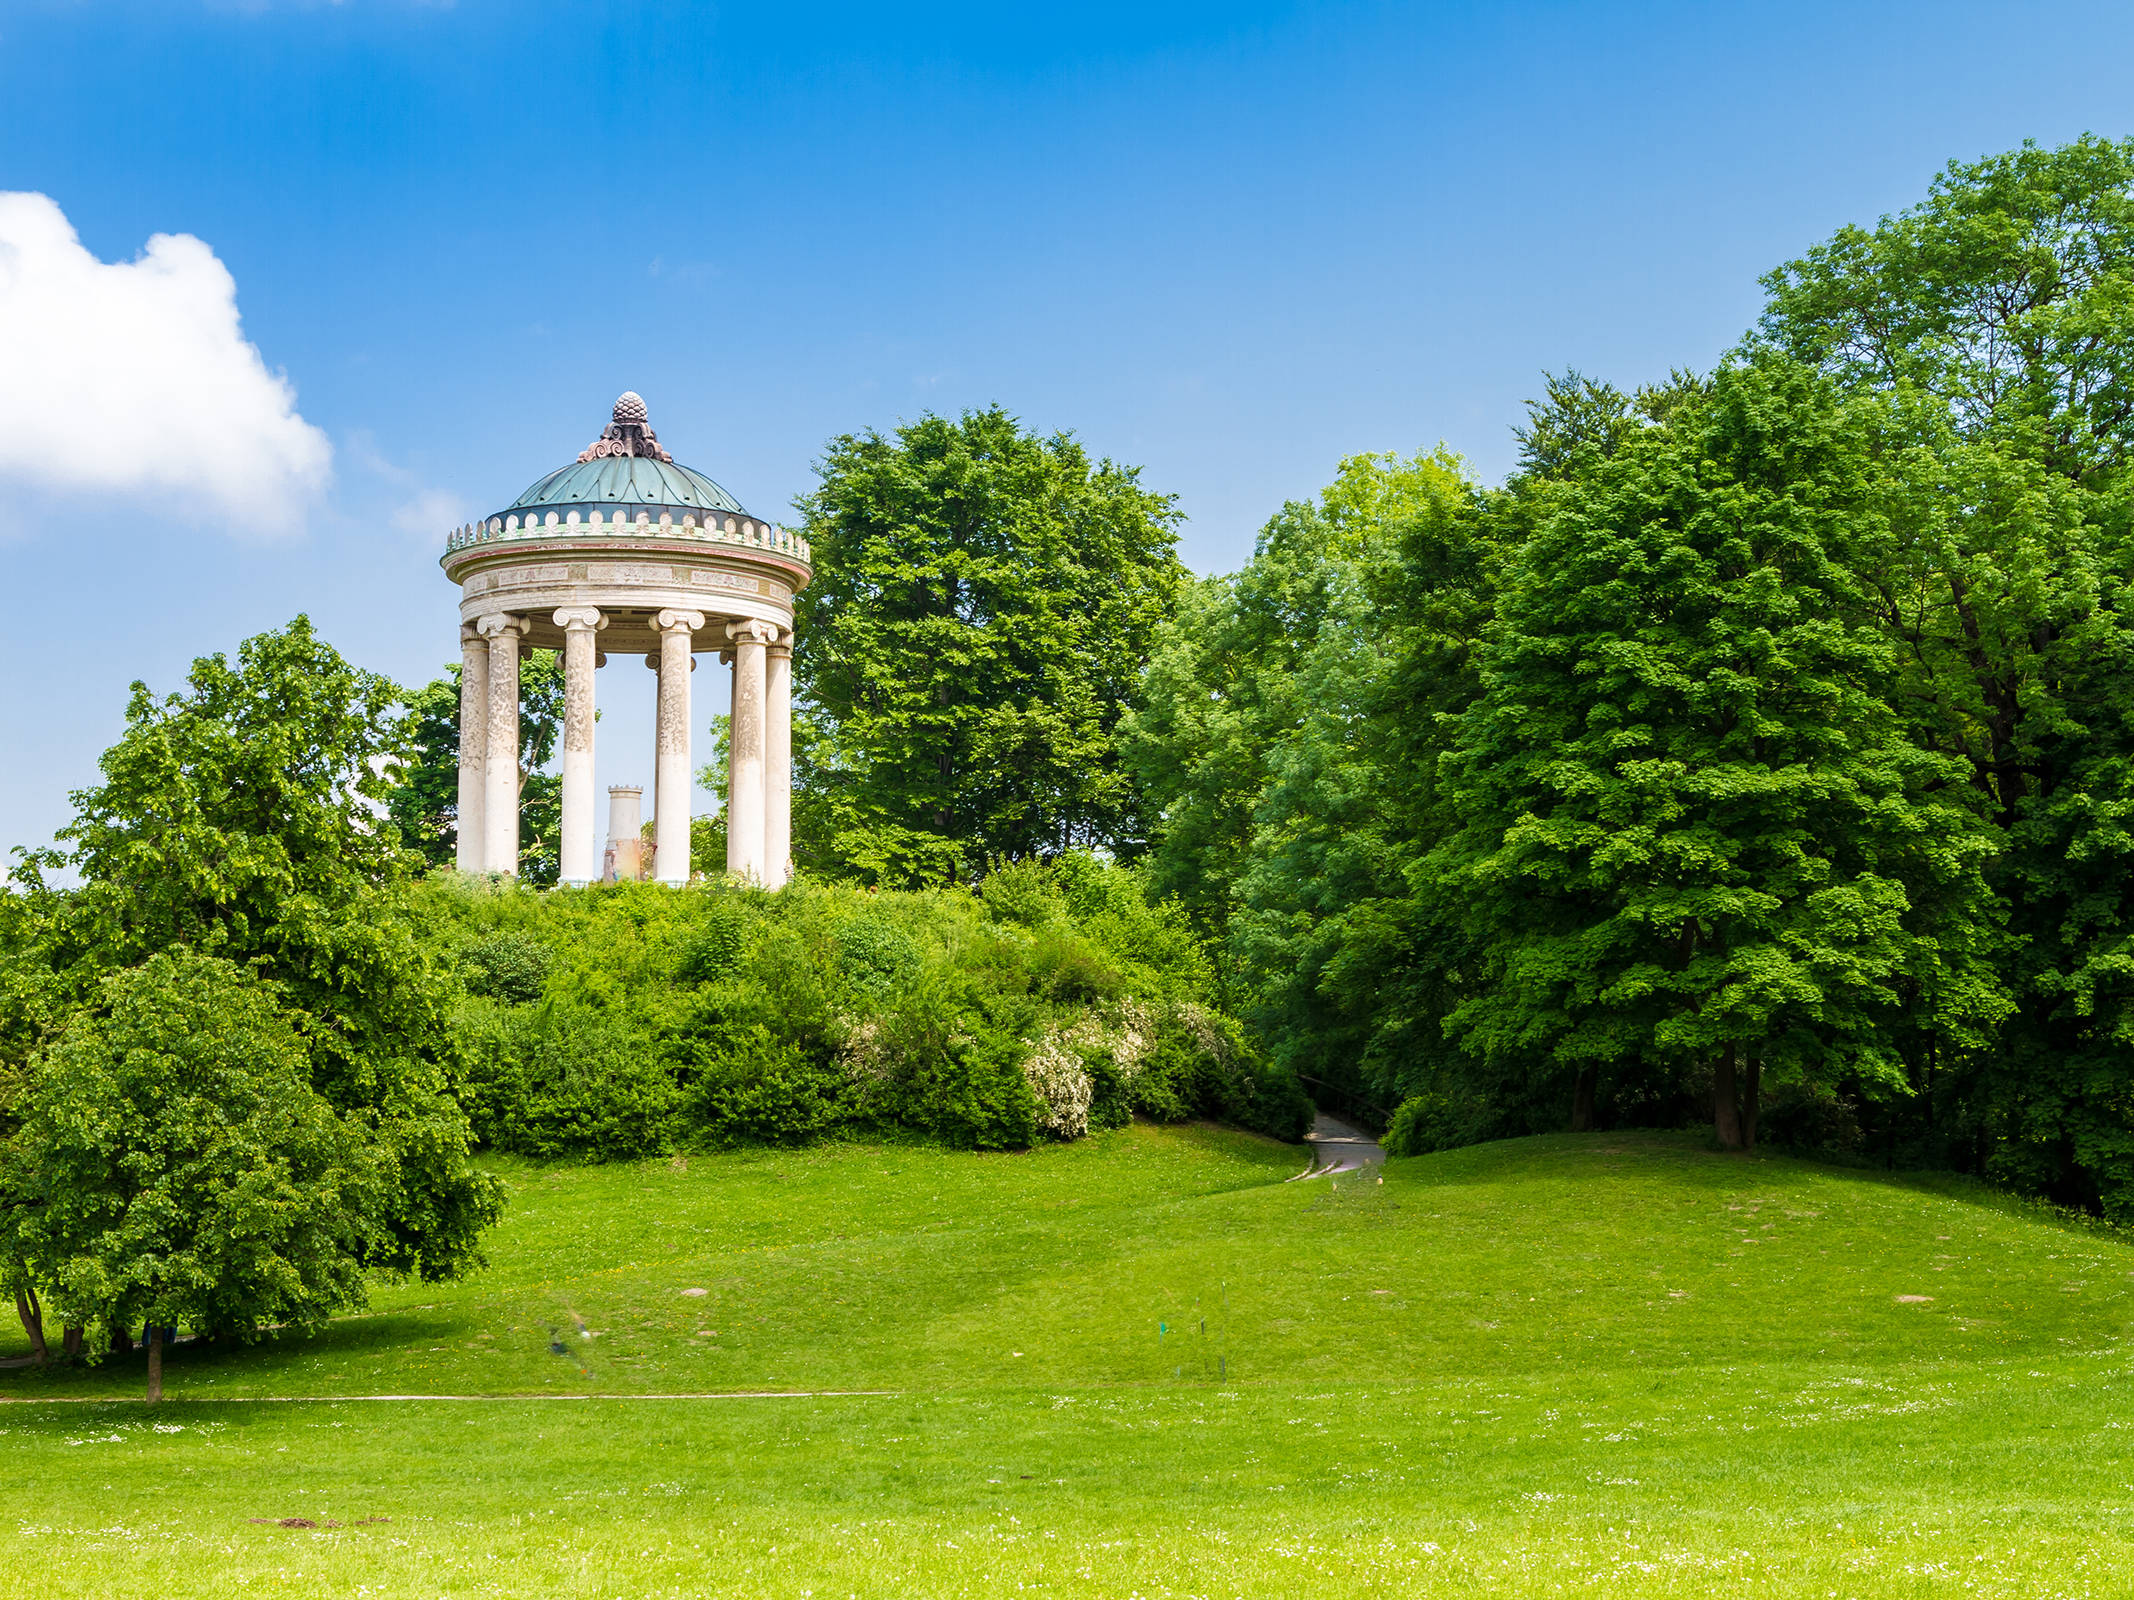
(1337,1147)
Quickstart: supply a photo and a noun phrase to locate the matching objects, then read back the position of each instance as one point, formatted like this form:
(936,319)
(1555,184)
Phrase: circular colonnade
(626,551)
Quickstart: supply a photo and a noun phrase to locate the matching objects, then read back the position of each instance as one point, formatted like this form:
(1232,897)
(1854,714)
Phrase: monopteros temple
(624,550)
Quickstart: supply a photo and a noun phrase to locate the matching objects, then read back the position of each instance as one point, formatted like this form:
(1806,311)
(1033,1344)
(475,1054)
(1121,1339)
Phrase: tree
(1277,743)
(984,606)
(2007,295)
(1693,831)
(173,1164)
(424,800)
(1994,322)
(241,819)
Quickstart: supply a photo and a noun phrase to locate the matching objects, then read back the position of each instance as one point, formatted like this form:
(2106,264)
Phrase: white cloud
(431,514)
(425,510)
(135,379)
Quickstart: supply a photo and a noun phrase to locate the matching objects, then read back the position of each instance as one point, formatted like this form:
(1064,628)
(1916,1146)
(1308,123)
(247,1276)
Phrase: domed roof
(623,483)
(625,469)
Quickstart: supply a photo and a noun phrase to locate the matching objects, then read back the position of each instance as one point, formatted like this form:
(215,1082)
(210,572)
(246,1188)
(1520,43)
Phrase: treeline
(1759,751)
(1755,753)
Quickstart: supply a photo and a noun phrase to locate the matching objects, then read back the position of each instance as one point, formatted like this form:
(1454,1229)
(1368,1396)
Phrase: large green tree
(1994,322)
(242,818)
(1281,742)
(1694,835)
(171,1163)
(985,603)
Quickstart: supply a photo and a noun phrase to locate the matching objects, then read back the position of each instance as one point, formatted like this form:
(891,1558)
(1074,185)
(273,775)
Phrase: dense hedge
(629,1020)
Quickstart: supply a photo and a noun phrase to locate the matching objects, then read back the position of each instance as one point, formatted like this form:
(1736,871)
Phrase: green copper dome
(625,469)
(623,483)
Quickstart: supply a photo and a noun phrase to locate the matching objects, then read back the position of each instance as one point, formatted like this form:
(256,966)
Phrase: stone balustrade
(745,532)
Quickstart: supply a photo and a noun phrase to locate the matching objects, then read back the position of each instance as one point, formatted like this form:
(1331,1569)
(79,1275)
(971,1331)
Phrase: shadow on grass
(255,1363)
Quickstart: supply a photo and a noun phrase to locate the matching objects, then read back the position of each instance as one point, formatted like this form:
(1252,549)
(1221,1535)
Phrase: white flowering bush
(1062,1085)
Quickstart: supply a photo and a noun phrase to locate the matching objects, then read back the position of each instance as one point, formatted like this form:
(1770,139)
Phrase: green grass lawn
(1142,1364)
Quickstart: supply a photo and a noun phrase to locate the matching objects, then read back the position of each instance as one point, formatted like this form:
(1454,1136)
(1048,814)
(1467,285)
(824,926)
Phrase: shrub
(624,1019)
(559,1080)
(1063,1087)
(1067,970)
(715,950)
(1022,893)
(1440,1119)
(766,1089)
(876,957)
(508,966)
(956,1071)
(1807,1116)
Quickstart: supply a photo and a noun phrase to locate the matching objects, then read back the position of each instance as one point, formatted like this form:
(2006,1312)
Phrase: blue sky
(1229,243)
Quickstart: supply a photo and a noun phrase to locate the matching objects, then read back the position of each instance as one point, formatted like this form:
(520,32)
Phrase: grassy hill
(1143,1363)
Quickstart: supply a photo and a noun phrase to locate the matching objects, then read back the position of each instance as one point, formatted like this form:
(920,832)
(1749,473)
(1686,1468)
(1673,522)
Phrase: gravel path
(1337,1147)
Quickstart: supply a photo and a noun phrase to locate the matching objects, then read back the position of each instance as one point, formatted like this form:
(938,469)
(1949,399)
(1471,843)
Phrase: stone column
(473,746)
(778,763)
(579,623)
(500,778)
(670,775)
(626,834)
(744,773)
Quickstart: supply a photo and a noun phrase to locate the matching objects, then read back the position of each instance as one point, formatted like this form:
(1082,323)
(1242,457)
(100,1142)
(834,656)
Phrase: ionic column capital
(571,618)
(753,631)
(497,624)
(469,633)
(678,621)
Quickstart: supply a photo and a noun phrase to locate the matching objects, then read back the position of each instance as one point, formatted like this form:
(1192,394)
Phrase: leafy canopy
(240,818)
(172,1162)
(1690,822)
(984,604)
(2007,295)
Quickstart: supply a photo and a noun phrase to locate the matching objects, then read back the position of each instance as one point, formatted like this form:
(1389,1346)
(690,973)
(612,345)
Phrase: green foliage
(714,950)
(1291,736)
(171,1162)
(558,1080)
(1992,322)
(2007,296)
(237,819)
(759,1088)
(1693,828)
(723,1014)
(508,966)
(1442,1119)
(1761,747)
(983,605)
(878,957)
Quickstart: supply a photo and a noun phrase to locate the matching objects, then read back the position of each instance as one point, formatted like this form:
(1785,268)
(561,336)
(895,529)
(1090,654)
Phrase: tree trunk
(121,1342)
(1582,1101)
(155,1363)
(32,1315)
(70,1343)
(1726,1102)
(1752,1087)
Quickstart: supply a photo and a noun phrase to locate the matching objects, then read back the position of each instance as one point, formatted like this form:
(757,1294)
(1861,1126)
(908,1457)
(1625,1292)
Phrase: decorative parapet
(745,532)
